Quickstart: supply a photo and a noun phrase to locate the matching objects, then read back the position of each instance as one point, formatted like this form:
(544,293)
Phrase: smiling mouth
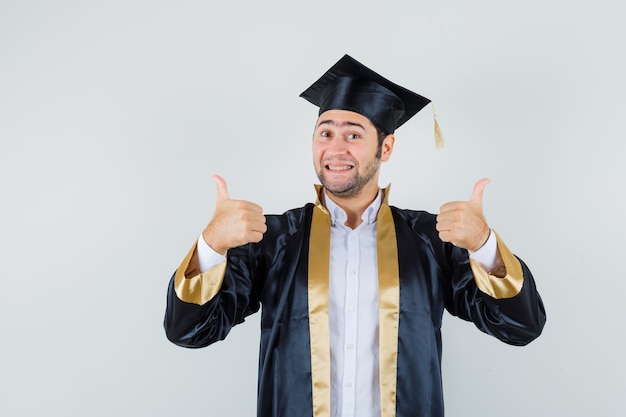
(338,168)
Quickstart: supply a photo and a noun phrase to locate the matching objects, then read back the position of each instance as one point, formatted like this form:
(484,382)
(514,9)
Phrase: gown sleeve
(203,307)
(509,308)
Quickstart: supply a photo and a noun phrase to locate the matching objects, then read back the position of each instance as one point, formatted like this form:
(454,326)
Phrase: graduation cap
(350,85)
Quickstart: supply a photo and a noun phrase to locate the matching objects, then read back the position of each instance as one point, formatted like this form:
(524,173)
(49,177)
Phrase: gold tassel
(438,134)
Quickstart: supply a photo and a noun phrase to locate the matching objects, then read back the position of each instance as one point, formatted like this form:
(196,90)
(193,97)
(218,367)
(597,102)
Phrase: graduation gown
(287,273)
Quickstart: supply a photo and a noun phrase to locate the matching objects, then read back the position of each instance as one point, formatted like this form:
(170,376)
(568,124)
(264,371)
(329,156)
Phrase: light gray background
(114,115)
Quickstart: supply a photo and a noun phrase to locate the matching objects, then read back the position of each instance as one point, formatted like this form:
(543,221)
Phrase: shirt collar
(337,214)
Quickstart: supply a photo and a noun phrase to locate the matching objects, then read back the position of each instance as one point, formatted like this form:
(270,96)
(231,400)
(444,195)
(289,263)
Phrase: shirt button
(352,237)
(351,309)
(352,272)
(350,346)
(349,385)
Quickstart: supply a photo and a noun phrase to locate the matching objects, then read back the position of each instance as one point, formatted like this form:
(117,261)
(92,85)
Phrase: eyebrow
(342,124)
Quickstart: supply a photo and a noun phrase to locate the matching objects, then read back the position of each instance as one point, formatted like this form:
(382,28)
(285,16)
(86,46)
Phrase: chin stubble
(354,185)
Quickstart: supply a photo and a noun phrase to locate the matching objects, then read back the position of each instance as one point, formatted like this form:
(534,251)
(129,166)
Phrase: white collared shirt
(353,313)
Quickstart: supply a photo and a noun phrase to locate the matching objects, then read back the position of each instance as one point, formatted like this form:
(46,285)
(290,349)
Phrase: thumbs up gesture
(234,223)
(462,222)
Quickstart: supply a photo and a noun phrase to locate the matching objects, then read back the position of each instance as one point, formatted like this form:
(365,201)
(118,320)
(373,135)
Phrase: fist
(234,223)
(462,222)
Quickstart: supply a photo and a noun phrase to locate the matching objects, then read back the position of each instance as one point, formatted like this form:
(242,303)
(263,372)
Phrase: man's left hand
(462,222)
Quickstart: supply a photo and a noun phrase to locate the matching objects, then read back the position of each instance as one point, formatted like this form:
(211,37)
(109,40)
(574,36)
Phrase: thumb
(222,190)
(477,193)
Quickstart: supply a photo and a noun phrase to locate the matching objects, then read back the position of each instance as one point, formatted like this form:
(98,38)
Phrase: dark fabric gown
(433,276)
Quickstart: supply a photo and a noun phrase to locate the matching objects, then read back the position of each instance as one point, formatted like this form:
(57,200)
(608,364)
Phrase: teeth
(339,168)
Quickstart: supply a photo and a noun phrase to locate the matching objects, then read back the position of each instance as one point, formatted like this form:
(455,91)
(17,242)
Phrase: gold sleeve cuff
(193,287)
(508,286)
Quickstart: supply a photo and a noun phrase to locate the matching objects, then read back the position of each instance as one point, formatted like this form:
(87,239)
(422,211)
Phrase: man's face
(345,146)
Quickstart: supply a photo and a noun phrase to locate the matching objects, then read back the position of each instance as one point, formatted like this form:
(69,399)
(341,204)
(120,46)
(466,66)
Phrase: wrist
(481,242)
(212,244)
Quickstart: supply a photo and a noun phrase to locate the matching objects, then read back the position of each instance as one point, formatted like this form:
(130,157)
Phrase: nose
(336,147)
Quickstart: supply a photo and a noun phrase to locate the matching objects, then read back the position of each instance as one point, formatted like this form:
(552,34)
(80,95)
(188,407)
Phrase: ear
(387,147)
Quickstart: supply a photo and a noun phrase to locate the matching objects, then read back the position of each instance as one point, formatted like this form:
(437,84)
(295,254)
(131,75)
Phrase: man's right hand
(234,223)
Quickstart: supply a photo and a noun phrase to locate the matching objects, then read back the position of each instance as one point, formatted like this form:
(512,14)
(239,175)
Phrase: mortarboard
(350,85)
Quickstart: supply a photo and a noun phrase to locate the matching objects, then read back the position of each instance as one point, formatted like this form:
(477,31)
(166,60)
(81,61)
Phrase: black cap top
(350,85)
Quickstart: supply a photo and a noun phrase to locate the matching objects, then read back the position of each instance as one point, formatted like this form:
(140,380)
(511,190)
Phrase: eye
(325,134)
(354,136)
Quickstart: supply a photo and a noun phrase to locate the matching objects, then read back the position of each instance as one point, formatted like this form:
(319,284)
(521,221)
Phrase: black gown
(287,273)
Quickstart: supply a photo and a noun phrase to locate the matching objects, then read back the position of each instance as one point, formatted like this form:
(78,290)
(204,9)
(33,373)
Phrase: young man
(353,290)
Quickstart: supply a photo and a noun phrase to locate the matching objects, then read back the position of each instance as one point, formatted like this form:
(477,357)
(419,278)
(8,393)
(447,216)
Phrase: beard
(351,187)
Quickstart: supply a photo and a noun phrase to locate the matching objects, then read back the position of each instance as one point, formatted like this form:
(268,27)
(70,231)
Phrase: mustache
(351,161)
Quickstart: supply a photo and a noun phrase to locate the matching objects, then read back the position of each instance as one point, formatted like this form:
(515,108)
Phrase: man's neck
(355,206)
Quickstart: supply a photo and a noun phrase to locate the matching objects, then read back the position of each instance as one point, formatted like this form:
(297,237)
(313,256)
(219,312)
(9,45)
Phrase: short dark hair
(381,137)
